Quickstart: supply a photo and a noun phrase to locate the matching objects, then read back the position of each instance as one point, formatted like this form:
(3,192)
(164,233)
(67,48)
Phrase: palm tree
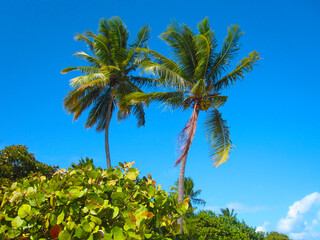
(189,192)
(109,77)
(82,163)
(227,213)
(197,74)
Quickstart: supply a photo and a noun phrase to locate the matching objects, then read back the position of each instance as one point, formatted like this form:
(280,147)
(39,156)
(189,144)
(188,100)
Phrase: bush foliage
(207,225)
(17,163)
(276,236)
(89,203)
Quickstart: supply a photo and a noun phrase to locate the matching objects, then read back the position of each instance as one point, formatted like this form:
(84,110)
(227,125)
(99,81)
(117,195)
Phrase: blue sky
(273,114)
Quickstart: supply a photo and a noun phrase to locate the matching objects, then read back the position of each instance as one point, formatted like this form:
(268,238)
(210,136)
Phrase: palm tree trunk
(106,136)
(190,131)
(181,188)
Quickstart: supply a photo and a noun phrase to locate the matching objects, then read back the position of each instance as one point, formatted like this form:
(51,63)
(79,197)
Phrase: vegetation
(85,202)
(208,225)
(230,220)
(17,163)
(189,193)
(89,203)
(198,74)
(109,77)
(276,236)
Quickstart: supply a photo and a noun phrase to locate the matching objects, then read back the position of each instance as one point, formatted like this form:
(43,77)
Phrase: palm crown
(197,74)
(109,77)
(189,192)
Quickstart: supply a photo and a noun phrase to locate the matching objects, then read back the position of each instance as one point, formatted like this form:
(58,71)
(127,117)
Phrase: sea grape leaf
(24,210)
(60,217)
(16,222)
(132,174)
(65,235)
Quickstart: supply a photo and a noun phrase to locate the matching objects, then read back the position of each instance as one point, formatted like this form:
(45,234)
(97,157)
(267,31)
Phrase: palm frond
(98,113)
(196,193)
(205,30)
(167,77)
(168,63)
(95,62)
(204,26)
(138,112)
(217,101)
(83,38)
(102,120)
(78,101)
(144,82)
(126,107)
(173,100)
(104,28)
(229,51)
(242,68)
(180,39)
(102,49)
(218,136)
(199,88)
(84,70)
(98,83)
(119,36)
(198,201)
(81,80)
(204,44)
(143,36)
(90,34)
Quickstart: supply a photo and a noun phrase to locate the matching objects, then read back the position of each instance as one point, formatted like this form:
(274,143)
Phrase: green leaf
(94,201)
(96,220)
(60,217)
(16,222)
(79,232)
(218,136)
(118,233)
(118,173)
(65,235)
(36,199)
(88,227)
(132,174)
(24,210)
(115,212)
(12,233)
(148,235)
(134,236)
(75,193)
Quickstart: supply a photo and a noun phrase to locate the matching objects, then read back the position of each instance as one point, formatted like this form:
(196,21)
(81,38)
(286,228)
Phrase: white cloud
(295,224)
(304,235)
(263,228)
(294,220)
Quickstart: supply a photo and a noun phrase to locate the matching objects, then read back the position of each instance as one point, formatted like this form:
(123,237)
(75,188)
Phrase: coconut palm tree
(197,74)
(227,213)
(189,192)
(109,77)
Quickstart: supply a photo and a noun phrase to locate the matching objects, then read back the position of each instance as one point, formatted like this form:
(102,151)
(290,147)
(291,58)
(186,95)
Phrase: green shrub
(208,226)
(87,203)
(276,236)
(233,223)
(17,163)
